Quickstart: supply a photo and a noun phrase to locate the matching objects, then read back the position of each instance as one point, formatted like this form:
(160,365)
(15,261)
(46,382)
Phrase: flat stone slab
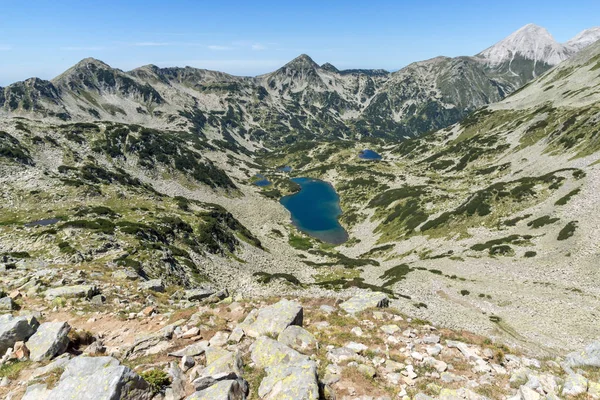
(219,361)
(99,378)
(291,381)
(274,319)
(267,352)
(155,285)
(205,382)
(365,301)
(72,292)
(223,390)
(298,339)
(192,350)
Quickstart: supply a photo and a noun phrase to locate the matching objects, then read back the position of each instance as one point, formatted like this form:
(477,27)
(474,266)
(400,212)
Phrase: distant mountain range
(299,101)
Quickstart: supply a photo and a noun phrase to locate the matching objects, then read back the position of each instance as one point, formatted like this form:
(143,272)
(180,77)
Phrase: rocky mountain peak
(531,42)
(584,39)
(302,62)
(330,67)
(90,62)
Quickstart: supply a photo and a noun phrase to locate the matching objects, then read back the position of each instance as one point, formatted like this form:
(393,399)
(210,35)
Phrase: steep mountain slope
(299,101)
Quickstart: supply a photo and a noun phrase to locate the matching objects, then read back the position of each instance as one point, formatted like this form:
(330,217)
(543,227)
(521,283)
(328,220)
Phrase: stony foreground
(67,342)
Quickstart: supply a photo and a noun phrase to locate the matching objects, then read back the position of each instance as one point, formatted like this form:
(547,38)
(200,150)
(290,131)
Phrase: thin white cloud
(81,48)
(258,47)
(150,44)
(219,48)
(5,47)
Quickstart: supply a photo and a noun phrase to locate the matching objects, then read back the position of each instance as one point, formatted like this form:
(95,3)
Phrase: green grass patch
(542,221)
(264,277)
(300,242)
(565,199)
(395,274)
(567,231)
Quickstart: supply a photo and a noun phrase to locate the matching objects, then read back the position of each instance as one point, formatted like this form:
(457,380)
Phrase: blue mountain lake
(315,210)
(262,181)
(369,155)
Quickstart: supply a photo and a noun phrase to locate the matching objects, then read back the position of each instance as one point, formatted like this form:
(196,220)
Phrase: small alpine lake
(369,155)
(315,210)
(261,181)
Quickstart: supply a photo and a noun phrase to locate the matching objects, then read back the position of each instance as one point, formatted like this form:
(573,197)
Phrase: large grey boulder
(220,361)
(588,357)
(49,341)
(267,352)
(291,381)
(7,304)
(574,385)
(365,301)
(37,391)
(224,390)
(99,378)
(274,319)
(15,329)
(298,339)
(126,274)
(155,285)
(72,292)
(193,350)
(198,294)
(177,389)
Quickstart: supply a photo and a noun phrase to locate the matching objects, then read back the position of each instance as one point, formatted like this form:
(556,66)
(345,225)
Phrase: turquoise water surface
(315,210)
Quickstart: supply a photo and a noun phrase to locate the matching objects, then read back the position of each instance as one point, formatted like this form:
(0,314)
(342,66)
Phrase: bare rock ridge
(531,42)
(421,97)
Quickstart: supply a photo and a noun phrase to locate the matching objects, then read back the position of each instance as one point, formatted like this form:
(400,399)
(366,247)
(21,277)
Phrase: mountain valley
(481,215)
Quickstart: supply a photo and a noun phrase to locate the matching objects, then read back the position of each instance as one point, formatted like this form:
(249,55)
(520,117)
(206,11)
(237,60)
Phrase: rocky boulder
(72,292)
(296,381)
(99,378)
(223,390)
(7,304)
(298,339)
(274,319)
(588,357)
(267,352)
(49,341)
(365,301)
(198,294)
(155,285)
(220,361)
(15,329)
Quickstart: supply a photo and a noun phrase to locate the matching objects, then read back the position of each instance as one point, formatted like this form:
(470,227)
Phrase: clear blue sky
(43,38)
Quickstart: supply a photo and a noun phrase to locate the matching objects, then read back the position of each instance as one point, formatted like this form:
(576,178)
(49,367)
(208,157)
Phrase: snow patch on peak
(531,42)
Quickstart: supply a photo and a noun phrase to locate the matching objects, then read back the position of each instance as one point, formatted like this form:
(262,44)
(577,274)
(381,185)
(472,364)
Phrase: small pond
(369,155)
(43,222)
(262,180)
